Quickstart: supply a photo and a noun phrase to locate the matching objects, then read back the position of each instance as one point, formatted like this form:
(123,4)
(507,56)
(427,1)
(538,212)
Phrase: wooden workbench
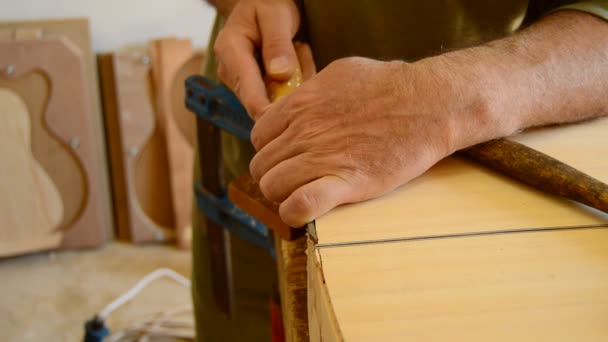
(463,254)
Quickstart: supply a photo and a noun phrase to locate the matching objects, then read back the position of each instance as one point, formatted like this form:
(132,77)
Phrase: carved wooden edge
(168,56)
(105,64)
(69,116)
(293,286)
(290,247)
(323,324)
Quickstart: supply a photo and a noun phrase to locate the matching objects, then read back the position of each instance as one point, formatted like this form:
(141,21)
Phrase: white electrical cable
(127,296)
(159,325)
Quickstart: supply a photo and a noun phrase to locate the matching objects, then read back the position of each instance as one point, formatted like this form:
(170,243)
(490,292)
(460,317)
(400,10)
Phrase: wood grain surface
(173,59)
(472,198)
(140,170)
(54,155)
(463,253)
(31,209)
(75,32)
(540,171)
(537,286)
(293,286)
(50,72)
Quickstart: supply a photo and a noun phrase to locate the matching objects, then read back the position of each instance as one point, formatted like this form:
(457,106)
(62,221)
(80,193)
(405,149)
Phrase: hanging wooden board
(140,174)
(464,254)
(76,32)
(173,61)
(63,138)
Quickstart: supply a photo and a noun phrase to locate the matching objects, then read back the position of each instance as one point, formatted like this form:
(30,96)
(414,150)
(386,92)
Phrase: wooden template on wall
(147,123)
(140,175)
(173,60)
(48,75)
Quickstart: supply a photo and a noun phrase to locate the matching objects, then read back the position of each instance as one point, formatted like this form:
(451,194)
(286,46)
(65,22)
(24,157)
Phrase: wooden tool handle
(540,171)
(276,90)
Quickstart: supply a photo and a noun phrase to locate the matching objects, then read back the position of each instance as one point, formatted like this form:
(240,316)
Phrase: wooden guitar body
(463,253)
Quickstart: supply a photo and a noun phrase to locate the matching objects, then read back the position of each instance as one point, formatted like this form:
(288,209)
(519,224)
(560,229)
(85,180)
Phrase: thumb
(278,25)
(315,199)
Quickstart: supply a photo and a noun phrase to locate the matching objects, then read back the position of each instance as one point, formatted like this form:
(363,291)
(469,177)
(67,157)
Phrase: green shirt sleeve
(599,8)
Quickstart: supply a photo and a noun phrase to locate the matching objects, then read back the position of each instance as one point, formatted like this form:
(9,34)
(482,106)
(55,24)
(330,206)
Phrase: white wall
(116,23)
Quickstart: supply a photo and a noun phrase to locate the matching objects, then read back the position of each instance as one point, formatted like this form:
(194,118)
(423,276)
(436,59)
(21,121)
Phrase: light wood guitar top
(463,253)
(31,208)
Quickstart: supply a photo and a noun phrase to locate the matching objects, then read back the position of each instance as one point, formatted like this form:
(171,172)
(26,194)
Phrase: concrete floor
(48,296)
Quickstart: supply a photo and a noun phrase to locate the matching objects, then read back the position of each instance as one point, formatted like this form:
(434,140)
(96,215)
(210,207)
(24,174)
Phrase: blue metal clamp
(215,103)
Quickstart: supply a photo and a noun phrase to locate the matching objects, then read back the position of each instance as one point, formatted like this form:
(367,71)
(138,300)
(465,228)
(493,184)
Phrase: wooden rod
(540,171)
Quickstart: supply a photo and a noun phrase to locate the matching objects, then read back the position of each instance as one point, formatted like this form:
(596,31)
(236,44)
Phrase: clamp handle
(207,99)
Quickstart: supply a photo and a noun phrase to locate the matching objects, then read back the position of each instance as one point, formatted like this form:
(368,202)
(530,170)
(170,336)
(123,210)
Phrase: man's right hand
(253,25)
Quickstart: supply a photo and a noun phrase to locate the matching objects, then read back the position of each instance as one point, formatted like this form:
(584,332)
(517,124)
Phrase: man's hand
(358,129)
(361,128)
(259,25)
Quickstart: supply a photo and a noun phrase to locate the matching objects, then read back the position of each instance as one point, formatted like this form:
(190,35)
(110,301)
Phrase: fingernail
(278,65)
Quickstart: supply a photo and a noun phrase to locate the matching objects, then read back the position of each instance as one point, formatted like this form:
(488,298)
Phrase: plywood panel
(549,286)
(76,31)
(173,60)
(140,173)
(457,196)
(68,118)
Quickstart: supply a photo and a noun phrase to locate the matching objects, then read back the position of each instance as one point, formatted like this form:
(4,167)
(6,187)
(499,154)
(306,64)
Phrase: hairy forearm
(224,7)
(555,71)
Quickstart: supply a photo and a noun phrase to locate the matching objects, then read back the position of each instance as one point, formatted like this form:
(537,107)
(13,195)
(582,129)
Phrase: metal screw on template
(74,143)
(146,60)
(10,70)
(126,115)
(133,151)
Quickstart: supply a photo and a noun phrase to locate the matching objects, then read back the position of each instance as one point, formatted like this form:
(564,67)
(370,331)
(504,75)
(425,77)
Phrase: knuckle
(295,105)
(304,203)
(225,43)
(220,43)
(250,102)
(256,139)
(276,42)
(347,62)
(255,168)
(268,189)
